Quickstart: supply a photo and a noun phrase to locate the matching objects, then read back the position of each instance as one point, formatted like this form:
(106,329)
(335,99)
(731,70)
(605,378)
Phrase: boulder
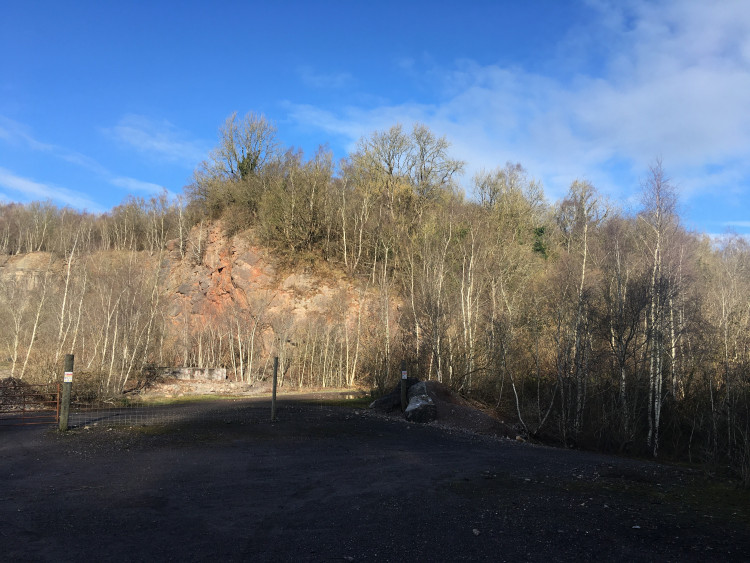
(421,408)
(386,403)
(419,388)
(392,401)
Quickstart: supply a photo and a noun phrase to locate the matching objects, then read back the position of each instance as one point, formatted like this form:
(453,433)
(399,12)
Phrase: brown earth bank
(328,483)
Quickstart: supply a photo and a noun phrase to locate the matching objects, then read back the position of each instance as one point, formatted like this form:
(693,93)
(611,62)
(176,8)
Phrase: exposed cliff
(228,302)
(234,273)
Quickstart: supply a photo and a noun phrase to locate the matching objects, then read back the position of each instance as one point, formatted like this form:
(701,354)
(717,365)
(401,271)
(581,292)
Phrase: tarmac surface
(323,483)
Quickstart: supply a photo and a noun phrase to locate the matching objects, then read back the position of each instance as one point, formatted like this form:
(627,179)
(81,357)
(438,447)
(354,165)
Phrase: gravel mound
(453,411)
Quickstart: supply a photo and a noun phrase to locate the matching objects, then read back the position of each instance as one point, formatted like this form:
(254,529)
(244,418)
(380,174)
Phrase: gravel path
(336,484)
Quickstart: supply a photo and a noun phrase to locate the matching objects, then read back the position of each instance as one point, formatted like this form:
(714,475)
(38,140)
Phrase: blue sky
(99,100)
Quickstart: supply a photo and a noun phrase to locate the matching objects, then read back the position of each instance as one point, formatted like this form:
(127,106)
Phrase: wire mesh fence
(242,410)
(138,412)
(23,404)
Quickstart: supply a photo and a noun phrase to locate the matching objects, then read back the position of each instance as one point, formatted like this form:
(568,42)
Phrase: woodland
(584,324)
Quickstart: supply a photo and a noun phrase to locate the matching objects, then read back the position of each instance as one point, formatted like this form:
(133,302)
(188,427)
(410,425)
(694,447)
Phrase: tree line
(589,325)
(136,224)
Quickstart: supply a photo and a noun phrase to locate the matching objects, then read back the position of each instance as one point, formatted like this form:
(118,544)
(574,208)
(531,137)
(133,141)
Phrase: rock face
(27,270)
(201,374)
(239,288)
(222,301)
(237,275)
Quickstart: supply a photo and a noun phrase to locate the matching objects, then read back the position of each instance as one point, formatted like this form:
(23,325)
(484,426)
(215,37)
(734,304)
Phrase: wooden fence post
(67,386)
(273,393)
(404,402)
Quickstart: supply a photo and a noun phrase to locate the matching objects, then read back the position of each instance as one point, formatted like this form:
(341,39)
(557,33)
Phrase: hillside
(235,306)
(585,324)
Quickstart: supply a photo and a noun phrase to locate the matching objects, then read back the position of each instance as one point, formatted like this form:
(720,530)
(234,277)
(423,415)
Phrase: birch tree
(658,219)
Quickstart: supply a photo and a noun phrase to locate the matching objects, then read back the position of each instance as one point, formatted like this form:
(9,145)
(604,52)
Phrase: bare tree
(625,298)
(580,212)
(246,146)
(432,170)
(36,324)
(658,217)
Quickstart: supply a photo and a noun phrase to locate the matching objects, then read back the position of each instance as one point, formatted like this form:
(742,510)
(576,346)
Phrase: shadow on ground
(331,483)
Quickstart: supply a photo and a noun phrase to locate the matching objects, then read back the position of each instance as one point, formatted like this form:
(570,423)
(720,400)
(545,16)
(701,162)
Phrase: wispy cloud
(743,224)
(671,80)
(350,123)
(321,80)
(135,185)
(32,190)
(138,186)
(17,133)
(719,239)
(157,139)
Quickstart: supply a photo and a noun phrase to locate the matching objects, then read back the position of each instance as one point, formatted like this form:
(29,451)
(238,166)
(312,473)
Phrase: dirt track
(334,484)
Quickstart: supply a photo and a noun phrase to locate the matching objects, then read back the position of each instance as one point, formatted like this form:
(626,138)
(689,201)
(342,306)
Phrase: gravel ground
(335,484)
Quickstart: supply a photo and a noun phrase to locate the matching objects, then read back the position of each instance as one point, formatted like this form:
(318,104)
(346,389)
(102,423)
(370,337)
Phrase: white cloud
(158,139)
(676,85)
(648,79)
(32,190)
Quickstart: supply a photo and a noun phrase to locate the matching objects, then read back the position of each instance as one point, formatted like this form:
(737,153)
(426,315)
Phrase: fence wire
(25,404)
(137,413)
